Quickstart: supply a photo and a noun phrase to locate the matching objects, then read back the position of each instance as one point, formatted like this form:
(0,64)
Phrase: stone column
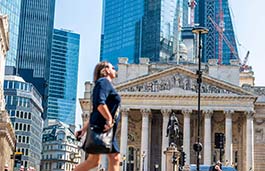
(124,133)
(250,141)
(207,150)
(228,136)
(165,113)
(145,139)
(186,136)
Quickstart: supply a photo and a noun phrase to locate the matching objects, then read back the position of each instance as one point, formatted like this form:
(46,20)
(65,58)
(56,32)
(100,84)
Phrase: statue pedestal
(172,158)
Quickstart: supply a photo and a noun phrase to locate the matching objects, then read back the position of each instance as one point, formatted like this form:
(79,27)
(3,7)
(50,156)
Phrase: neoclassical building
(7,134)
(151,92)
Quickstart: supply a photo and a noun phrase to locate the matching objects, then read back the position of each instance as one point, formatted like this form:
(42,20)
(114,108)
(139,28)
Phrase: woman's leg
(114,162)
(92,161)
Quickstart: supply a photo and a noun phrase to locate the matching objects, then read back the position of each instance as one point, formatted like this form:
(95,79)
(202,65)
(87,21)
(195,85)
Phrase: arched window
(21,114)
(20,126)
(16,126)
(60,135)
(24,127)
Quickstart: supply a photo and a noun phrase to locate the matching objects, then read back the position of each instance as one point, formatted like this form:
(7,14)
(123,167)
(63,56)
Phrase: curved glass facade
(63,76)
(12,9)
(24,105)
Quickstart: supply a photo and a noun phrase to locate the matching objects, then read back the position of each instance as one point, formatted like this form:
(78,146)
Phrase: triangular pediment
(180,81)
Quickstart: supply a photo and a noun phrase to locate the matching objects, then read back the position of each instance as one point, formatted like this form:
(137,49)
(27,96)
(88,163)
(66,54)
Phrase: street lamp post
(198,146)
(156,167)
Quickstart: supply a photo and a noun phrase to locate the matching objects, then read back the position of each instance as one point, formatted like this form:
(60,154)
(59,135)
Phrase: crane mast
(192,5)
(220,31)
(221,25)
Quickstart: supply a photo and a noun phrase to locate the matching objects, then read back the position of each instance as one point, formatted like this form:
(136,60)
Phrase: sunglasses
(111,67)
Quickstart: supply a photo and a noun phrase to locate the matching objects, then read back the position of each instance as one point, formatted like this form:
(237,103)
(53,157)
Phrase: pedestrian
(218,166)
(106,102)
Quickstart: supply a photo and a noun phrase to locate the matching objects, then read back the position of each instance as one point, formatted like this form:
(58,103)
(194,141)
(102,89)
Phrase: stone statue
(173,129)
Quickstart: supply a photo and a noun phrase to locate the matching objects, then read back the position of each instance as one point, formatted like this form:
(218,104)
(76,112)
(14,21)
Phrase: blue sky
(84,17)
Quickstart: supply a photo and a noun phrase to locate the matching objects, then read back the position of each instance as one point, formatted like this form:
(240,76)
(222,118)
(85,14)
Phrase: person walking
(218,166)
(106,102)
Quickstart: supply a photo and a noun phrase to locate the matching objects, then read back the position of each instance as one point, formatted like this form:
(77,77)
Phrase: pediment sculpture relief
(174,81)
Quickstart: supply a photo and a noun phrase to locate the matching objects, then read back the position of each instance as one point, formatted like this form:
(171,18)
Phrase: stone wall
(7,141)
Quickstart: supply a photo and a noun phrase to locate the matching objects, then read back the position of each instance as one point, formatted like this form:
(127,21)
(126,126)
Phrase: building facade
(153,29)
(138,28)
(24,105)
(152,94)
(7,133)
(215,46)
(12,9)
(34,43)
(60,148)
(63,76)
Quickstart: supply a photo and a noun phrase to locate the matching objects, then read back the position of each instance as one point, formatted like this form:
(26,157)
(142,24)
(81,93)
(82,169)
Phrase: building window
(60,135)
(24,127)
(16,126)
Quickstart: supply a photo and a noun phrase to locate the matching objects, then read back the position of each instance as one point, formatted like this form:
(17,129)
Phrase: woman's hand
(79,134)
(109,124)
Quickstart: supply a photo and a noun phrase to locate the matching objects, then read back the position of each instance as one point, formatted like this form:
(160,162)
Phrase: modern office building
(153,29)
(12,10)
(138,28)
(60,148)
(63,76)
(215,46)
(24,105)
(185,16)
(34,43)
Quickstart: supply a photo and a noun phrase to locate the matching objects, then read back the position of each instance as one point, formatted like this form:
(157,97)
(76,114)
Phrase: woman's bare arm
(103,109)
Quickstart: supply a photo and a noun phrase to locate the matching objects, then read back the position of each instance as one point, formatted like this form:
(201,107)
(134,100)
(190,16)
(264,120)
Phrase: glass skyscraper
(140,28)
(24,105)
(12,9)
(211,45)
(63,76)
(121,29)
(34,43)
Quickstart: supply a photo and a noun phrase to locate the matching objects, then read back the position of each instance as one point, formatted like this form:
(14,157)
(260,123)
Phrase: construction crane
(221,30)
(221,35)
(244,65)
(192,5)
